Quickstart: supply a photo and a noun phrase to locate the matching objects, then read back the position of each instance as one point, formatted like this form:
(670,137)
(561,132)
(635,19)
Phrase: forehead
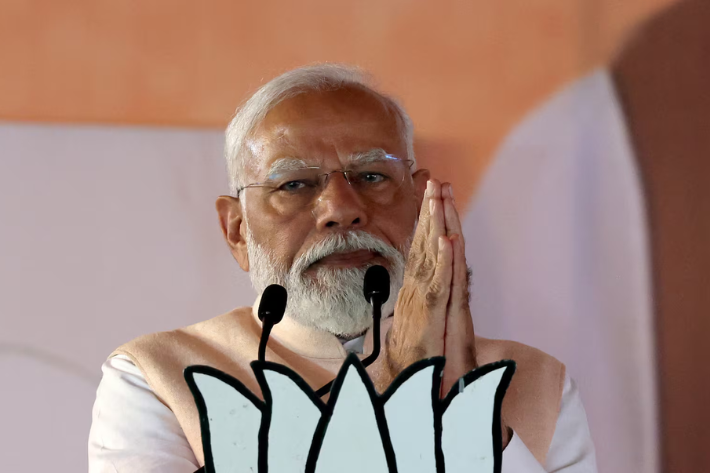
(323,128)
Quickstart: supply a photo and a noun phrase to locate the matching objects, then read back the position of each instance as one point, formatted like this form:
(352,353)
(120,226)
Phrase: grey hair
(315,78)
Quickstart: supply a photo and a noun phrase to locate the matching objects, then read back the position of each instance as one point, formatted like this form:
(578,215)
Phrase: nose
(339,205)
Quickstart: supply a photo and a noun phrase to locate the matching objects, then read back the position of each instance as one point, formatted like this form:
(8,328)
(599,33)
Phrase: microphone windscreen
(377,284)
(273,303)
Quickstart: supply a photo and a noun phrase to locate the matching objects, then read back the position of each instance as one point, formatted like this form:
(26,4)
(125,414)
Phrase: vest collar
(313,343)
(305,341)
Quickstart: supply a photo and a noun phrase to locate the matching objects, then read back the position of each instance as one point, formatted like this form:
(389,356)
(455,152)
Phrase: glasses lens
(378,180)
(300,181)
(293,191)
(289,191)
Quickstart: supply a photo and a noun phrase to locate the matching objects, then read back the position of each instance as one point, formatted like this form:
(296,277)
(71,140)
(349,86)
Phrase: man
(324,185)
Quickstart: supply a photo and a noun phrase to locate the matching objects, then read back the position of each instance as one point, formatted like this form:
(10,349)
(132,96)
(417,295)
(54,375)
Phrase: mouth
(350,259)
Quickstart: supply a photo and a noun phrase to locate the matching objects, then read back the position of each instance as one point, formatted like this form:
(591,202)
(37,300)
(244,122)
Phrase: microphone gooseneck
(271,310)
(376,290)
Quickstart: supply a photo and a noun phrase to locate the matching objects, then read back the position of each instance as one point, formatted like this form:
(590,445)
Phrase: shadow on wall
(607,172)
(663,80)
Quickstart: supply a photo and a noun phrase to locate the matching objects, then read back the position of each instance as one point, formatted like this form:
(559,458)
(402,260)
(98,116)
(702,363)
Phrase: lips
(351,259)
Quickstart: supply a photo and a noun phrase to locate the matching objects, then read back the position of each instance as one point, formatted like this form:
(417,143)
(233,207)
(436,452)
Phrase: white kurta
(133,432)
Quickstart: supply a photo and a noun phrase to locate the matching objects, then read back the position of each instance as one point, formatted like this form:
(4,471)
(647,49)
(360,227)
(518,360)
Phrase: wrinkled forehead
(327,129)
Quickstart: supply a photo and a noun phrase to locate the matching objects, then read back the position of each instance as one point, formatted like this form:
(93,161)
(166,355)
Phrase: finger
(447,190)
(421,235)
(459,338)
(437,225)
(439,290)
(424,253)
(424,212)
(451,215)
(458,302)
(417,252)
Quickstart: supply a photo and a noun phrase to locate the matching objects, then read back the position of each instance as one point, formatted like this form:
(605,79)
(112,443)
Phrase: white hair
(320,77)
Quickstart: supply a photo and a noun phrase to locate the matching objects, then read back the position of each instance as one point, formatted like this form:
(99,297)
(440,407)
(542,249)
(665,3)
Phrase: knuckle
(433,296)
(425,268)
(411,264)
(416,255)
(420,247)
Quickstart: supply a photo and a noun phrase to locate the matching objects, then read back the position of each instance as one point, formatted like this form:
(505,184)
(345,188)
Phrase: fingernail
(441,242)
(431,206)
(429,188)
(451,191)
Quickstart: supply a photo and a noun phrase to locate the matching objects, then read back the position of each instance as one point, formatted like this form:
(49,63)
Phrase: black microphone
(377,284)
(271,310)
(376,290)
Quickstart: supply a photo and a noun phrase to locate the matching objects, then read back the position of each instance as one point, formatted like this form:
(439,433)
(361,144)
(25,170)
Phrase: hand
(459,337)
(432,314)
(419,324)
(434,295)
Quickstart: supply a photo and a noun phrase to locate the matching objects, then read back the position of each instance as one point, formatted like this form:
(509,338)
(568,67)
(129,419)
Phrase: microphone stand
(376,317)
(266,327)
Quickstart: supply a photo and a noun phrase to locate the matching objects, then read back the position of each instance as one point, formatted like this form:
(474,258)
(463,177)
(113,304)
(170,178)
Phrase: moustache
(343,243)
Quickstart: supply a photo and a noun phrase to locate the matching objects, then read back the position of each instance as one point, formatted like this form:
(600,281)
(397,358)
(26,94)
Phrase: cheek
(282,237)
(398,221)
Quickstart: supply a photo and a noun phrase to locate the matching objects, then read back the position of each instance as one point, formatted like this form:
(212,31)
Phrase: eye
(292,186)
(372,177)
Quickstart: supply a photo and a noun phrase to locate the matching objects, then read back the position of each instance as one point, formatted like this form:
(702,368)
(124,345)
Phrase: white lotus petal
(294,418)
(466,439)
(410,418)
(234,426)
(352,442)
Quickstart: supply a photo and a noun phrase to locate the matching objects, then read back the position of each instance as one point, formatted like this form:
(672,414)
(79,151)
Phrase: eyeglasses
(293,190)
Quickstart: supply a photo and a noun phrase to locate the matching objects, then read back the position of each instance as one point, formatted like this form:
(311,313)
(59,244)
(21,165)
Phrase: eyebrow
(371,156)
(286,164)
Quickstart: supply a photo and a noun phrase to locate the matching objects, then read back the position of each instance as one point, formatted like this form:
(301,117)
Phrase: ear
(420,178)
(234,228)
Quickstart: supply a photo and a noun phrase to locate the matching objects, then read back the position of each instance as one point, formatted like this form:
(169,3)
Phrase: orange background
(466,70)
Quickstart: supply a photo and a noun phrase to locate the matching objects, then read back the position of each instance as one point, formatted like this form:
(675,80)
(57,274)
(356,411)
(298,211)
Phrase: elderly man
(323,185)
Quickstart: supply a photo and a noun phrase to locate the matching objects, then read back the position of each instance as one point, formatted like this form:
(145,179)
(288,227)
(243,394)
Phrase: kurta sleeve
(131,430)
(571,450)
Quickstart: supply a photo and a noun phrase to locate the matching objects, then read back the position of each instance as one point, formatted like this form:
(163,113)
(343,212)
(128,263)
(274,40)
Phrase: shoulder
(206,330)
(533,399)
(536,371)
(526,357)
(131,426)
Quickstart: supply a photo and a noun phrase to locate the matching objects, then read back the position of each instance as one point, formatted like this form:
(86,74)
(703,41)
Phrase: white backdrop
(106,233)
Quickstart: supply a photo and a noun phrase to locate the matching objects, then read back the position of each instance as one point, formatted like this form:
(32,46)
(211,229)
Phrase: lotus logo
(408,429)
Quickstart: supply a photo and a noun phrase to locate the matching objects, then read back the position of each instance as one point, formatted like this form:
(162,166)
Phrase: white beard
(331,300)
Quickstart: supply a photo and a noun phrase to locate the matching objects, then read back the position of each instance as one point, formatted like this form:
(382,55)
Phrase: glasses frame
(345,172)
